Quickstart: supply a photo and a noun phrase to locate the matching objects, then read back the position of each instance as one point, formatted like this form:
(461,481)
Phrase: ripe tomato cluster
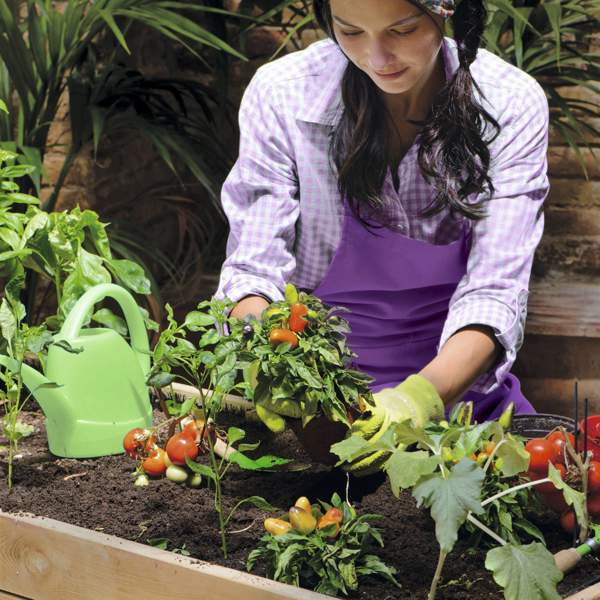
(296,324)
(552,449)
(154,461)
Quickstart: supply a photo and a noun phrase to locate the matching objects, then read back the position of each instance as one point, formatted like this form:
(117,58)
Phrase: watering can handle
(133,317)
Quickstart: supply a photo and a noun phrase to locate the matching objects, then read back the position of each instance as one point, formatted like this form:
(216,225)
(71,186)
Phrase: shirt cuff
(240,286)
(508,323)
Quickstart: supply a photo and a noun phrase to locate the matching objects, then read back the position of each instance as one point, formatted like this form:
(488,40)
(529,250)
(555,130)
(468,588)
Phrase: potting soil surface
(99,494)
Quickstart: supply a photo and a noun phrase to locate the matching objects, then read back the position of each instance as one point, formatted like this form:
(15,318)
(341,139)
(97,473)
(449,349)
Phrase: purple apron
(398,290)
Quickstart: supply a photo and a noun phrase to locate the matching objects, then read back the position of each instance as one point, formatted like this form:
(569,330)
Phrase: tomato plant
(567,521)
(181,446)
(155,465)
(594,476)
(541,452)
(139,442)
(557,439)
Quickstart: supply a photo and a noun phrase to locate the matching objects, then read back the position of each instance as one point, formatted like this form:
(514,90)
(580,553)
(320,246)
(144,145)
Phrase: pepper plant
(439,465)
(329,553)
(301,362)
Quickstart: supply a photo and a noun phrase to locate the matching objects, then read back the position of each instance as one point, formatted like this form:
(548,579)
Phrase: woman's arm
(260,198)
(467,355)
(494,290)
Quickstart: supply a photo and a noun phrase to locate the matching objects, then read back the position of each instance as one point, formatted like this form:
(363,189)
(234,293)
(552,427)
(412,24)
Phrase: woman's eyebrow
(400,22)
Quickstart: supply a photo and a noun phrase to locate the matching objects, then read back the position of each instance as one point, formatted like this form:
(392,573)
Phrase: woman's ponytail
(454,156)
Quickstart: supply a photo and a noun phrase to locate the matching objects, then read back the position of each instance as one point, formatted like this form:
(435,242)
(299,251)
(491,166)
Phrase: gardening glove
(415,398)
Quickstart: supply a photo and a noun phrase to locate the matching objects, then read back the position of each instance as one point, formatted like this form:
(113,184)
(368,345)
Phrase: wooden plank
(44,559)
(559,307)
(590,593)
(7,596)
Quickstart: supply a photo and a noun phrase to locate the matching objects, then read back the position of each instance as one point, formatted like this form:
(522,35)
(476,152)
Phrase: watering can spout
(48,395)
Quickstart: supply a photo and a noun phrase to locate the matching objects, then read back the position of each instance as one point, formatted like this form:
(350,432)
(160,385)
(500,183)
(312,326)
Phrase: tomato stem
(437,575)
(515,488)
(485,529)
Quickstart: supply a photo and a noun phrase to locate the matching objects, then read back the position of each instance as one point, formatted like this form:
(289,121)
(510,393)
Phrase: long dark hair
(453,154)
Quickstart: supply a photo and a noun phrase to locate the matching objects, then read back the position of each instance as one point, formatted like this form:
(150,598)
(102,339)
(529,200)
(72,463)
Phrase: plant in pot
(301,367)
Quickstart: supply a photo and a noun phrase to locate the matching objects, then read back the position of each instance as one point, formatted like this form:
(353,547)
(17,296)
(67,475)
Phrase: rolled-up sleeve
(260,199)
(494,290)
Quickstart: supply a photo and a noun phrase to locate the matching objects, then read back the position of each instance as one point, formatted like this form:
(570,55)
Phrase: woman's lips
(391,75)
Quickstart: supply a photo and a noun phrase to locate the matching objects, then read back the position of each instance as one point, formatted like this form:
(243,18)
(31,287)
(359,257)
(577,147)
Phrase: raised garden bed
(99,495)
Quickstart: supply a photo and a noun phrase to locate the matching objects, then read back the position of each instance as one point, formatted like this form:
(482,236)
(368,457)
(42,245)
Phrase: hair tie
(444,8)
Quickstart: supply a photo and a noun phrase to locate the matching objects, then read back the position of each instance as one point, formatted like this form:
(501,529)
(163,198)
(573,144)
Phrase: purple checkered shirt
(285,212)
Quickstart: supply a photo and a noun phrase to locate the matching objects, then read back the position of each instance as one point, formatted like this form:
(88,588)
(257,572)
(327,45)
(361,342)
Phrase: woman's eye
(403,32)
(351,33)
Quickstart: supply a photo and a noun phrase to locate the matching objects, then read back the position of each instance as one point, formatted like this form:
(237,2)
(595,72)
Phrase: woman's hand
(250,305)
(415,399)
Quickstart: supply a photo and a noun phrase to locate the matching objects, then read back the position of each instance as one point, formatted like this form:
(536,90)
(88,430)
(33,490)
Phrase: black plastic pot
(540,425)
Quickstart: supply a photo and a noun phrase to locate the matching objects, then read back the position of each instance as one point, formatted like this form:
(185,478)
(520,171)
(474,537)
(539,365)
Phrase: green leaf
(204,470)
(259,502)
(8,323)
(451,499)
(234,434)
(405,469)
(105,316)
(248,447)
(525,571)
(267,461)
(162,379)
(515,459)
(572,497)
(130,274)
(196,320)
(350,448)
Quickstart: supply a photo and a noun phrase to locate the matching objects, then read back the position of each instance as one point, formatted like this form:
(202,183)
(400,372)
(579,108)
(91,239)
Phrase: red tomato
(593,505)
(567,521)
(155,464)
(179,446)
(554,501)
(297,313)
(541,452)
(594,476)
(138,441)
(279,336)
(196,428)
(557,439)
(548,487)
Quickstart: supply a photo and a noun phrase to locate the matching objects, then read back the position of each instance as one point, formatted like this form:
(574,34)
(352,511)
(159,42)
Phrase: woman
(402,174)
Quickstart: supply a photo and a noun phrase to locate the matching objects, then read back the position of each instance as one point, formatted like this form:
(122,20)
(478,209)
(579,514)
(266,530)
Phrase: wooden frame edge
(45,559)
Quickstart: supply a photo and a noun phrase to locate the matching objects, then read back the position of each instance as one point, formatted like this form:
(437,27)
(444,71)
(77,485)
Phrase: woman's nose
(379,56)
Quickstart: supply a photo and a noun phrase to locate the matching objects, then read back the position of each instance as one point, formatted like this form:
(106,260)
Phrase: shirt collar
(327,107)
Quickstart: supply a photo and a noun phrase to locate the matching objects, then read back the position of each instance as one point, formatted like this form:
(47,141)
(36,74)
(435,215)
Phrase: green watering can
(103,391)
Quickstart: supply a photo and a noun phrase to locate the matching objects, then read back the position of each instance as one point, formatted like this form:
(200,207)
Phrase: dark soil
(99,494)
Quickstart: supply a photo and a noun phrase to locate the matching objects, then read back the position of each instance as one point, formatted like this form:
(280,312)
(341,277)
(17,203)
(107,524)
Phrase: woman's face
(394,42)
